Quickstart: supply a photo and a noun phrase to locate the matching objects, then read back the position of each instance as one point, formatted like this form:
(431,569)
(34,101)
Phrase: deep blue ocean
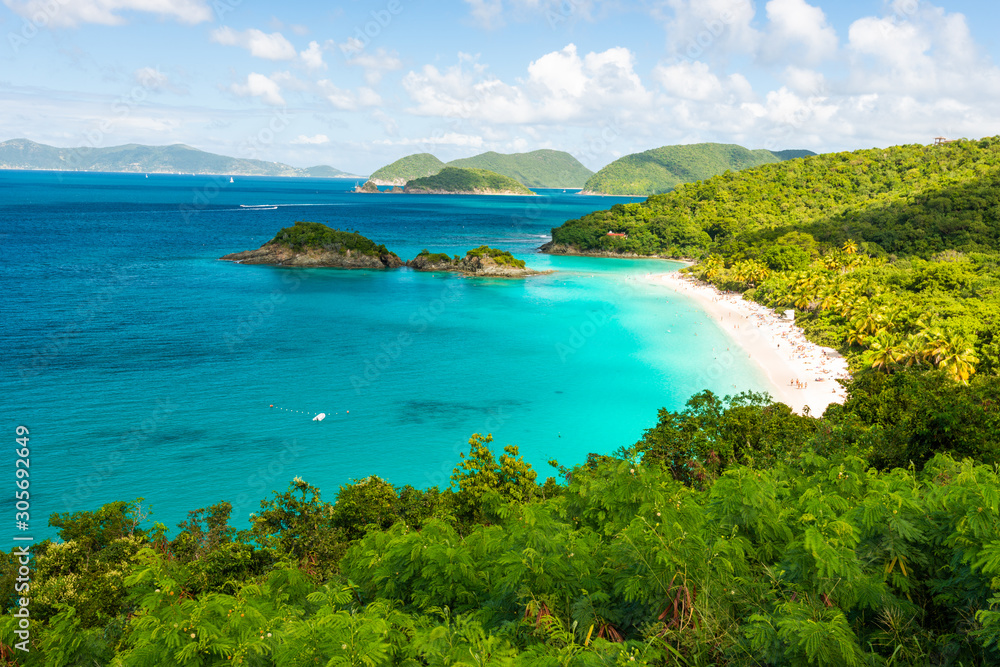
(144,366)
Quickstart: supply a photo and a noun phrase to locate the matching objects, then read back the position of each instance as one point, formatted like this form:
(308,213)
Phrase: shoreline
(776,345)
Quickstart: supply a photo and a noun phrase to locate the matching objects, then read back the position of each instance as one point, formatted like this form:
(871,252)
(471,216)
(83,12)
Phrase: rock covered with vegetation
(311,244)
(368,186)
(481,261)
(452,180)
(662,169)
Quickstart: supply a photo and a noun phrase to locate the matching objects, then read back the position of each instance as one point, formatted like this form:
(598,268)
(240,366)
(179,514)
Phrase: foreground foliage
(733,533)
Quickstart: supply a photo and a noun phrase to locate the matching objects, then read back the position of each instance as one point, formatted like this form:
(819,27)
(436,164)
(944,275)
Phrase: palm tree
(884,352)
(957,358)
(913,351)
(856,336)
(850,247)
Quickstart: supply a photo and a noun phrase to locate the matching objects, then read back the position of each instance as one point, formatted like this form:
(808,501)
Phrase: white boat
(230,179)
(320,417)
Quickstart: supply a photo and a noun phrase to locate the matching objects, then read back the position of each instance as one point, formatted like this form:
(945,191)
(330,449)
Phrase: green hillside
(467,181)
(406,169)
(891,256)
(662,169)
(178,158)
(537,169)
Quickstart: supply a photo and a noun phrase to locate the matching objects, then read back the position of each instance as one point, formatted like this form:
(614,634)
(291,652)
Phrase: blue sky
(359,84)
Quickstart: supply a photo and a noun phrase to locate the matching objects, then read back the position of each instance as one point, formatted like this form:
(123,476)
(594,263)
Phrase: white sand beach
(803,373)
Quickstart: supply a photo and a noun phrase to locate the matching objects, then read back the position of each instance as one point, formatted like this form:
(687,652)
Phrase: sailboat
(230,179)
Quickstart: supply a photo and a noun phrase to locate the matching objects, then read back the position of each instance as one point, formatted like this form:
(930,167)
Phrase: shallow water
(144,366)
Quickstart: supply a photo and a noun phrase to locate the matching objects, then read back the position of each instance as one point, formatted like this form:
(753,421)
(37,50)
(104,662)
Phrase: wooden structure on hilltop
(941,141)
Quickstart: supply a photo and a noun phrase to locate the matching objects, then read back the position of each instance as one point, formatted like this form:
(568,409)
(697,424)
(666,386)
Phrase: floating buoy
(317,416)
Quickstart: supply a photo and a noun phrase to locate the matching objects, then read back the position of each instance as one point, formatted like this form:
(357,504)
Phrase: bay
(144,366)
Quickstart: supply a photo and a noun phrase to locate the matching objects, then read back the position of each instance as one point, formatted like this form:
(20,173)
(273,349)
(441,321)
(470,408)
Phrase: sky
(357,85)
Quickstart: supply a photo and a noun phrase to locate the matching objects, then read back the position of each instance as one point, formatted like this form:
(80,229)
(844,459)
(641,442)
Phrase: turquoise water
(143,366)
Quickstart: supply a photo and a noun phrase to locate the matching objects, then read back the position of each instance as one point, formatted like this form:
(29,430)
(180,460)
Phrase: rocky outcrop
(276,254)
(472,266)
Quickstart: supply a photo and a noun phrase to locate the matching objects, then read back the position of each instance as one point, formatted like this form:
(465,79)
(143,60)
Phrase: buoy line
(317,416)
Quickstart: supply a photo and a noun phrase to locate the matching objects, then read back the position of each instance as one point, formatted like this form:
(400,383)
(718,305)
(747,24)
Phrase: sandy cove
(802,373)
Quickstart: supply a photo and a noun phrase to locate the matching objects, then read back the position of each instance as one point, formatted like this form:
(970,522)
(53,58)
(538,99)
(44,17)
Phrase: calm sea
(143,366)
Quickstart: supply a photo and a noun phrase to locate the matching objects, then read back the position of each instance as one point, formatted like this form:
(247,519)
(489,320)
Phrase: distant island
(662,169)
(481,261)
(312,244)
(138,158)
(452,180)
(537,169)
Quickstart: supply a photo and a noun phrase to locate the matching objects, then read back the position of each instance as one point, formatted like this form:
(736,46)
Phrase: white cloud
(487,13)
(560,87)
(805,81)
(313,56)
(376,64)
(151,78)
(348,100)
(272,46)
(711,29)
(66,13)
(315,140)
(696,81)
(928,53)
(259,85)
(444,139)
(801,29)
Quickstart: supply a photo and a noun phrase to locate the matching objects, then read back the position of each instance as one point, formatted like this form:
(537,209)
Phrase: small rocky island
(311,244)
(481,261)
(315,244)
(456,181)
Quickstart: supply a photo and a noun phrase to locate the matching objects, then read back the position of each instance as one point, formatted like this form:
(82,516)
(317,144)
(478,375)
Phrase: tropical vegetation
(538,169)
(733,533)
(406,169)
(499,256)
(890,255)
(303,235)
(662,169)
(468,181)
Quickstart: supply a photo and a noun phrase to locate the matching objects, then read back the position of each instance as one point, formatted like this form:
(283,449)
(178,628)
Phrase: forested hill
(891,256)
(537,169)
(138,158)
(662,169)
(406,169)
(905,200)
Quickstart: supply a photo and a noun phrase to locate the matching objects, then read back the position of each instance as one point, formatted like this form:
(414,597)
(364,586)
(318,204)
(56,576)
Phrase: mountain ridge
(23,153)
(543,168)
(660,170)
